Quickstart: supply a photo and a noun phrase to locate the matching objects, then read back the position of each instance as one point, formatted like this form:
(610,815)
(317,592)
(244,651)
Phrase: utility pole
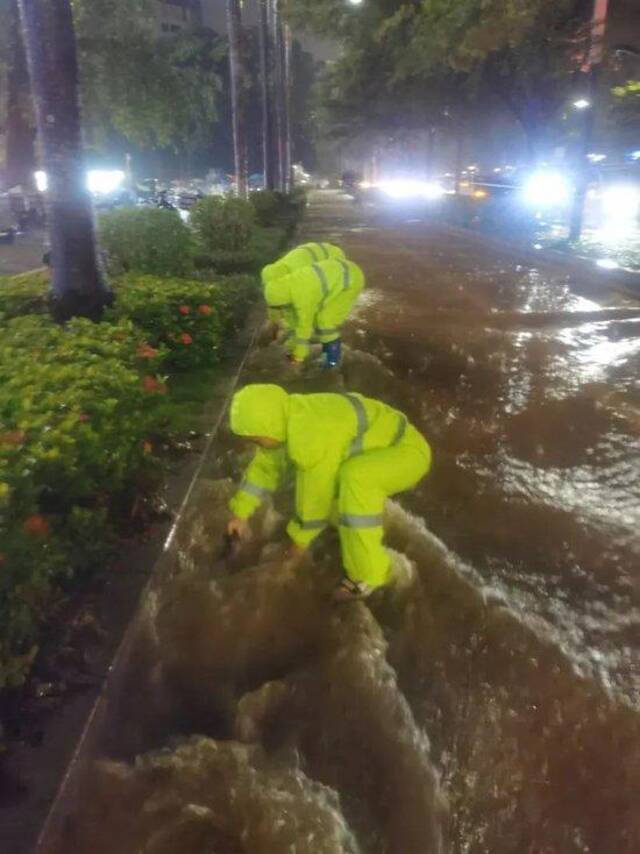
(591,71)
(238,97)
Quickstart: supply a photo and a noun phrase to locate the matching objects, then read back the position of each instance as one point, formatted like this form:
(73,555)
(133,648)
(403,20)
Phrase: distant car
(7,220)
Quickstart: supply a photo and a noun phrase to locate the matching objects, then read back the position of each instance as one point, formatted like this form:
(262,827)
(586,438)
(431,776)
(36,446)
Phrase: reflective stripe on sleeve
(255,490)
(311,252)
(353,520)
(312,524)
(302,342)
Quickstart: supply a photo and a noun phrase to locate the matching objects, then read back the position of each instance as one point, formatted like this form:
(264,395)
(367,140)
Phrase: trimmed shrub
(24,294)
(279,209)
(223,224)
(147,240)
(187,317)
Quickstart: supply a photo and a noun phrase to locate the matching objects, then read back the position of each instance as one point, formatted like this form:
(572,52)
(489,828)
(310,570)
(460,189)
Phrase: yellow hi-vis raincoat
(349,453)
(314,302)
(301,256)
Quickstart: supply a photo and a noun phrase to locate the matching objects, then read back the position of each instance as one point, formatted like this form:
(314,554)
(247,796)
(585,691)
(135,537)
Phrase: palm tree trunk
(266,53)
(20,145)
(238,99)
(288,153)
(279,95)
(78,285)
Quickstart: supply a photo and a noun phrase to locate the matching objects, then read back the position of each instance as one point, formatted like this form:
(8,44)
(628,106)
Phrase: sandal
(351,591)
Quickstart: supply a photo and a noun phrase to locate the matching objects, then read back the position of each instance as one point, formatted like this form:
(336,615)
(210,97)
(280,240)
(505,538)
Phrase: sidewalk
(23,255)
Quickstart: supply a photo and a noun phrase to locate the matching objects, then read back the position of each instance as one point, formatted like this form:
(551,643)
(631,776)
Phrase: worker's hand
(296,555)
(239,528)
(295,364)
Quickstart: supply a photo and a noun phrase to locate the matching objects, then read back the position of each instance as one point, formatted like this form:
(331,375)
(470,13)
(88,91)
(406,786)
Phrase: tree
(238,83)
(78,285)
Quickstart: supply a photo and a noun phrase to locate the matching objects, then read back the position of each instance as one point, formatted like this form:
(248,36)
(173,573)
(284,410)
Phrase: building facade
(173,16)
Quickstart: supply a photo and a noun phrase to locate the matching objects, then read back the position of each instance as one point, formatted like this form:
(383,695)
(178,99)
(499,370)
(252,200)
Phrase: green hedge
(147,240)
(25,294)
(81,410)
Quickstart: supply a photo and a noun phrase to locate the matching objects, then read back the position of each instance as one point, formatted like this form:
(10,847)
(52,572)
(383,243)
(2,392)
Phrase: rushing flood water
(488,701)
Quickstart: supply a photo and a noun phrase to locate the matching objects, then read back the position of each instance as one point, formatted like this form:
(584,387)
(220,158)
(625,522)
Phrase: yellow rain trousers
(349,454)
(313,303)
(301,256)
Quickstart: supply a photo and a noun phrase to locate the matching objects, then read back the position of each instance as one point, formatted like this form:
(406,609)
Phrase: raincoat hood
(278,292)
(260,410)
(274,271)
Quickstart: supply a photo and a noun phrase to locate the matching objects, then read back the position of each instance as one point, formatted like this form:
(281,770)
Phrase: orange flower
(2,559)
(205,309)
(153,386)
(14,437)
(186,338)
(147,447)
(146,351)
(185,309)
(36,525)
(150,384)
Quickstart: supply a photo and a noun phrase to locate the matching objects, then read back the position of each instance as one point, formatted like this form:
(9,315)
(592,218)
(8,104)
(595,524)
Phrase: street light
(356,2)
(582,104)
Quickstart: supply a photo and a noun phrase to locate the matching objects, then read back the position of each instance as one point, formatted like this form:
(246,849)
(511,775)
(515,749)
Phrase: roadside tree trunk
(238,95)
(20,144)
(277,39)
(266,54)
(288,153)
(78,286)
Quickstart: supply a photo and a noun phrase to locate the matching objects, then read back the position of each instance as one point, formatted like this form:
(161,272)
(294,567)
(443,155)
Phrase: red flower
(36,525)
(186,338)
(14,437)
(205,309)
(152,385)
(83,418)
(185,309)
(2,559)
(146,351)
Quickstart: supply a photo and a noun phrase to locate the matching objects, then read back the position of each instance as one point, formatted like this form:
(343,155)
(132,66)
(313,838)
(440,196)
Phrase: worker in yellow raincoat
(349,454)
(312,304)
(301,256)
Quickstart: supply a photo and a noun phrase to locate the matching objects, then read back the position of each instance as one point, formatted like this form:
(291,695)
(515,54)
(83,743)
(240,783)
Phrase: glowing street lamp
(582,104)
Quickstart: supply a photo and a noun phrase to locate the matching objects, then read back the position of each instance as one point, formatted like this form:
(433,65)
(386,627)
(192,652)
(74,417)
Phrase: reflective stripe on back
(312,252)
(357,446)
(346,275)
(402,429)
(327,254)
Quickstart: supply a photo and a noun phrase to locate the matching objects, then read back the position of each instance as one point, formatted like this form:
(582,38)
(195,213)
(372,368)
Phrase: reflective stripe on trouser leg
(366,481)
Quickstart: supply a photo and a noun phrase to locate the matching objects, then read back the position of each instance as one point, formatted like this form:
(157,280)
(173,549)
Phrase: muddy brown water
(489,701)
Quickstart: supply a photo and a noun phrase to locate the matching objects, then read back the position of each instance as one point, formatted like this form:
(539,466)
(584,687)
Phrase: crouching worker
(301,256)
(312,304)
(349,454)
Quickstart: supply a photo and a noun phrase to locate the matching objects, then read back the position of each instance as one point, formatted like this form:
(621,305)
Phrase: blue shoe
(332,353)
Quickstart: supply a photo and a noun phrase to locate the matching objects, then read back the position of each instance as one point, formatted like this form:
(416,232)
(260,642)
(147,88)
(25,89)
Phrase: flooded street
(487,703)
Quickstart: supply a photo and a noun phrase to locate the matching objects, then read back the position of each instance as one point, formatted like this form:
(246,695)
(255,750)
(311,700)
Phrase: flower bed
(82,408)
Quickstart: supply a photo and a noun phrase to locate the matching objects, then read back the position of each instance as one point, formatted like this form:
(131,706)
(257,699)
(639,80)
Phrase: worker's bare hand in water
(239,528)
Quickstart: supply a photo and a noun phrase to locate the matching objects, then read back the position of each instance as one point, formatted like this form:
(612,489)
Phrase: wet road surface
(488,701)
